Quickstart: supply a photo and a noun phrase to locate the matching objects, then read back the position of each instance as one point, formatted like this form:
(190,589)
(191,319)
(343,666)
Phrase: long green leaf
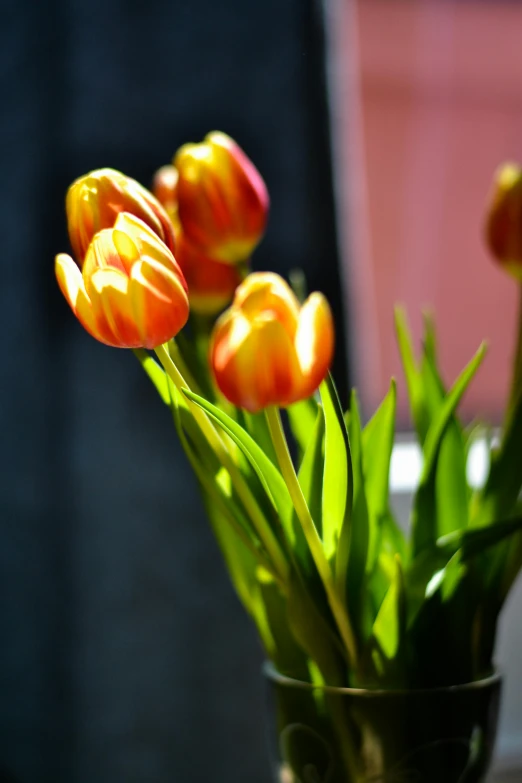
(302,417)
(390,624)
(352,550)
(311,471)
(424,518)
(451,487)
(504,483)
(337,478)
(266,471)
(420,415)
(377,446)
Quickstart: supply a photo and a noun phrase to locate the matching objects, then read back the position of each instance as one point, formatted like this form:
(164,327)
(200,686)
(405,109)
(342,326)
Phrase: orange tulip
(223,201)
(131,292)
(504,219)
(211,284)
(267,349)
(95,200)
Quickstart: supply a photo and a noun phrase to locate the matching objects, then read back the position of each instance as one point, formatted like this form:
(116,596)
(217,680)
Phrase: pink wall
(427,102)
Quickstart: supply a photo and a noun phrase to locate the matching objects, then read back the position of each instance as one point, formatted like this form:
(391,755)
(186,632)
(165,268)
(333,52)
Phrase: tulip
(267,349)
(95,200)
(504,219)
(211,283)
(130,292)
(223,201)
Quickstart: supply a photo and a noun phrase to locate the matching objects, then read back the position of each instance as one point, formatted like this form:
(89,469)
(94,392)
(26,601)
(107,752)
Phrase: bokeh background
(124,654)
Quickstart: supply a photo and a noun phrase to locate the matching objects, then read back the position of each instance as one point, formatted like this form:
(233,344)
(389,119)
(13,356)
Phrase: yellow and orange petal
(94,201)
(265,350)
(254,363)
(222,199)
(131,292)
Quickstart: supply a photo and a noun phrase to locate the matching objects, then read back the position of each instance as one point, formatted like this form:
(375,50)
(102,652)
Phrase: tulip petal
(109,293)
(314,342)
(268,292)
(159,302)
(222,199)
(255,363)
(72,287)
(147,242)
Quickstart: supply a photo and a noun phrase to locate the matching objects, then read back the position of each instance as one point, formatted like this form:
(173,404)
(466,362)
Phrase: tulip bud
(223,201)
(266,349)
(165,189)
(131,292)
(504,219)
(211,284)
(95,200)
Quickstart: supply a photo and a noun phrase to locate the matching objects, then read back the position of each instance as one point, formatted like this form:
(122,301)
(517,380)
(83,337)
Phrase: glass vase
(347,735)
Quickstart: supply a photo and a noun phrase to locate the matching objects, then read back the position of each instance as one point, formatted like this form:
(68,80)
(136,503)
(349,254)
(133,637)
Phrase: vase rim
(271,673)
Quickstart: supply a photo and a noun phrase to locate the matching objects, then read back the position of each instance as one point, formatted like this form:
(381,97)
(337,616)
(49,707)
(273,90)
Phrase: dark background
(124,654)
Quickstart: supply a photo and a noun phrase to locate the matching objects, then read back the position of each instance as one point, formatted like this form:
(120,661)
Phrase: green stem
(310,531)
(179,362)
(243,490)
(516,378)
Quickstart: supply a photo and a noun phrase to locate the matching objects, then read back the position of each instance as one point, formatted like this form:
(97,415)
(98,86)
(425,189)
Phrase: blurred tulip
(131,292)
(211,284)
(504,219)
(222,199)
(95,200)
(266,349)
(165,189)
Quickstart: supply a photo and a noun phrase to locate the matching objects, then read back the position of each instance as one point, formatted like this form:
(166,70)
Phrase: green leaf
(420,415)
(155,373)
(313,633)
(390,624)
(311,471)
(352,550)
(424,518)
(302,417)
(451,486)
(256,426)
(377,446)
(474,541)
(504,482)
(337,478)
(288,656)
(268,474)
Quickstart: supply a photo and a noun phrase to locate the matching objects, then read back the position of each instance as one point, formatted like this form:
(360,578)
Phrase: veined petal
(146,241)
(102,254)
(267,292)
(314,341)
(255,363)
(159,302)
(72,287)
(222,199)
(109,293)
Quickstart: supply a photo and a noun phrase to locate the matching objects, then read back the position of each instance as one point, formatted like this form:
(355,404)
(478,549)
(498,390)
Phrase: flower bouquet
(379,644)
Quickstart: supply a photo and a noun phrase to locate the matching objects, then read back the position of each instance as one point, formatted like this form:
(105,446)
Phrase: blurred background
(376,124)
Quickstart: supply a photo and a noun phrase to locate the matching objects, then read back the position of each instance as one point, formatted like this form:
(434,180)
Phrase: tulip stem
(214,439)
(314,542)
(516,379)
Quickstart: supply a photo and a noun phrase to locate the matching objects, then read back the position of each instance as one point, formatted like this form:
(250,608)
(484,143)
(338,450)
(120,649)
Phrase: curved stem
(214,439)
(314,542)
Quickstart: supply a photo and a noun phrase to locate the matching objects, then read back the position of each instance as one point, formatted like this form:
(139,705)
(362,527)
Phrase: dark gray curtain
(124,654)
